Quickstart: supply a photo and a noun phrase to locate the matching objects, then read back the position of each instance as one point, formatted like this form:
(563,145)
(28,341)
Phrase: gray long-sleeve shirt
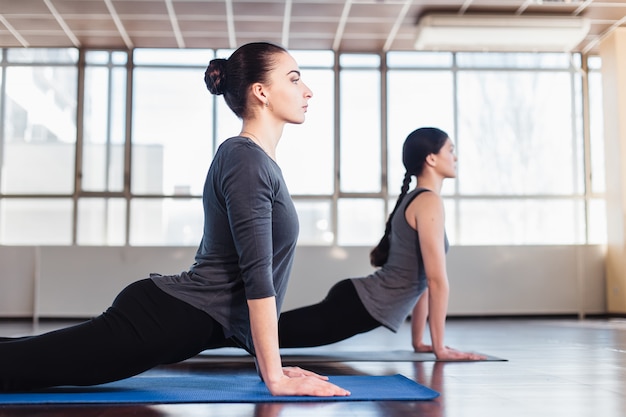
(247,248)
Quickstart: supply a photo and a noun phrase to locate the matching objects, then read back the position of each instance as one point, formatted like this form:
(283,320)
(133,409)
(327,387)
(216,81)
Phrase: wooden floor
(555,367)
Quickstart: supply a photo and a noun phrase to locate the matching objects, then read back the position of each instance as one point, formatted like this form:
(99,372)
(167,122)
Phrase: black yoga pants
(143,328)
(339,316)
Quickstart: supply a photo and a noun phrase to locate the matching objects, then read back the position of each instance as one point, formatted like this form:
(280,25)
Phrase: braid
(379,255)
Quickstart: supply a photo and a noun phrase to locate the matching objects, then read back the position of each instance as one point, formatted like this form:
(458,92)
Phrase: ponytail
(379,255)
(417,146)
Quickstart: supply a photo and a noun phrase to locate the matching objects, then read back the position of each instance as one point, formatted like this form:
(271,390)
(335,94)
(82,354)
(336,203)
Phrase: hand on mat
(453,354)
(294,371)
(424,348)
(296,381)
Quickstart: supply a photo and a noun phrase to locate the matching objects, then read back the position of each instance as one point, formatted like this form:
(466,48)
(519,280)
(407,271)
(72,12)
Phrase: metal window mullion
(109,122)
(334,209)
(214,139)
(109,131)
(128,143)
(587,167)
(575,166)
(78,157)
(3,83)
(384,178)
(455,121)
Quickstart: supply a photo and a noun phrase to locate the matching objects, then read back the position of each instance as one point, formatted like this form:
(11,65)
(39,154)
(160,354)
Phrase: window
(125,164)
(39,120)
(306,152)
(172,124)
(517,136)
(36,221)
(101,221)
(360,137)
(104,121)
(38,145)
(420,93)
(515,133)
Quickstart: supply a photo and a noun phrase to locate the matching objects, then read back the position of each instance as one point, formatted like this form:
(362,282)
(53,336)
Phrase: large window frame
(335,213)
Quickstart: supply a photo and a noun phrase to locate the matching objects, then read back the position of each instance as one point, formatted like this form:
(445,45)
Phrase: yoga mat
(308,355)
(220,388)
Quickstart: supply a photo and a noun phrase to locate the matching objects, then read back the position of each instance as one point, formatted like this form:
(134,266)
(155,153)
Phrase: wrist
(274,377)
(279,385)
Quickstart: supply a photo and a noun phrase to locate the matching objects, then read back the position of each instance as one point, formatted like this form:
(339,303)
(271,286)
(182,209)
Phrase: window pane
(315,59)
(597,221)
(596,128)
(430,94)
(306,152)
(594,62)
(315,222)
(227,124)
(166,222)
(119,57)
(97,57)
(359,60)
(177,57)
(361,222)
(450,207)
(172,130)
(409,59)
(360,141)
(39,130)
(104,129)
(43,55)
(513,60)
(36,221)
(521,222)
(515,133)
(101,221)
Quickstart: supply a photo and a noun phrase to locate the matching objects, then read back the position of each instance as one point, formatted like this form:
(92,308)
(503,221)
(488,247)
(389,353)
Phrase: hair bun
(215,76)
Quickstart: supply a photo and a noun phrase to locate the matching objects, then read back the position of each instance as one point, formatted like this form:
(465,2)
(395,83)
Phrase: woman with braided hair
(411,278)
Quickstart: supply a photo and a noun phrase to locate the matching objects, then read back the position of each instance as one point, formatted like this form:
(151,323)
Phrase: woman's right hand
(448,353)
(280,380)
(296,381)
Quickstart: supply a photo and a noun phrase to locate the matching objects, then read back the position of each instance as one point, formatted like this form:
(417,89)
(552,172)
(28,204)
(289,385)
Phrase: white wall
(485,280)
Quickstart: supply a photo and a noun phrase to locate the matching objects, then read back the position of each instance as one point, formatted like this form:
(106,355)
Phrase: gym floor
(554,367)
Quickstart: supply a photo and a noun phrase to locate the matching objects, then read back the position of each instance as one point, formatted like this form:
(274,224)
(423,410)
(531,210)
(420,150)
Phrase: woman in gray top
(235,287)
(411,255)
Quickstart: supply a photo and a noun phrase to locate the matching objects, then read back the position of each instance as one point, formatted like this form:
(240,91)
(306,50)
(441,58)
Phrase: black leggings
(143,328)
(339,316)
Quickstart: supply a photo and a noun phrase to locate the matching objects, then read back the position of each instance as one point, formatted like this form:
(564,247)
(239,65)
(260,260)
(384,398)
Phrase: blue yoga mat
(211,388)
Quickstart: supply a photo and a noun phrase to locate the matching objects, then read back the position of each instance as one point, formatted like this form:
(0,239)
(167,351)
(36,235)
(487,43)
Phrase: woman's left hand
(297,381)
(422,348)
(453,354)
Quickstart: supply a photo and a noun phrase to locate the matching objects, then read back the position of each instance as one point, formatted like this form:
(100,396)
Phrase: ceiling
(341,25)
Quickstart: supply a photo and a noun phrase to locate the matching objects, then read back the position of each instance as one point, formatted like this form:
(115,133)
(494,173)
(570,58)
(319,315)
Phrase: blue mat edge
(64,397)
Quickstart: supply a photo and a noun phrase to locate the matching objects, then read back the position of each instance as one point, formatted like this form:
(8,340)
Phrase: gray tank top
(390,293)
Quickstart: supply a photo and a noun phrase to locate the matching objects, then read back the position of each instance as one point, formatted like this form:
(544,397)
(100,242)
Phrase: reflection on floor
(554,367)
